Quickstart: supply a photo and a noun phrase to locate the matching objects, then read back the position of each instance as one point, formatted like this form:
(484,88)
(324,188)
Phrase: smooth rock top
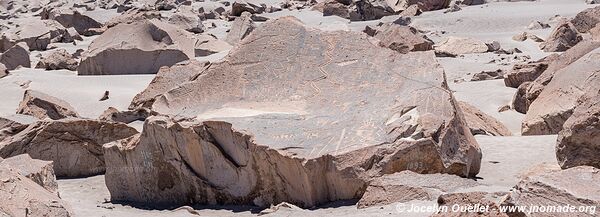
(313,93)
(138,48)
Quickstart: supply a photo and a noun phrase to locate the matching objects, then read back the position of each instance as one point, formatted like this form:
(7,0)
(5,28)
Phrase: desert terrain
(299,108)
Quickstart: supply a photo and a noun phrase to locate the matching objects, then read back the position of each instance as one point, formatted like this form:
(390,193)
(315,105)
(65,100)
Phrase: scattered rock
(402,39)
(411,11)
(214,145)
(570,187)
(452,8)
(72,18)
(481,123)
(36,33)
(563,37)
(537,25)
(42,106)
(137,48)
(520,37)
(519,101)
(456,46)
(237,8)
(281,206)
(105,96)
(17,55)
(579,140)
(20,196)
(526,72)
(74,145)
(534,38)
(59,59)
(488,75)
(240,28)
(503,108)
(587,19)
(39,171)
(188,20)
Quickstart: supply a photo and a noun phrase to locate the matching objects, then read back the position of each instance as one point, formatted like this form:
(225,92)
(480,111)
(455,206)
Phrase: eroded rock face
(137,48)
(570,187)
(315,115)
(208,44)
(587,19)
(166,79)
(36,33)
(240,28)
(407,186)
(555,64)
(563,37)
(74,145)
(39,171)
(20,196)
(579,140)
(15,56)
(42,106)
(455,46)
(481,123)
(402,39)
(550,110)
(12,125)
(59,59)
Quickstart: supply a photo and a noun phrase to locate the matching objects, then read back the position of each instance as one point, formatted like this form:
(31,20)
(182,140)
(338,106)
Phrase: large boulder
(75,145)
(240,28)
(58,59)
(587,19)
(167,78)
(137,48)
(561,189)
(526,72)
(555,64)
(401,38)
(20,196)
(454,46)
(406,186)
(186,18)
(36,33)
(555,104)
(73,18)
(563,37)
(579,140)
(15,56)
(39,171)
(42,106)
(481,123)
(519,102)
(250,125)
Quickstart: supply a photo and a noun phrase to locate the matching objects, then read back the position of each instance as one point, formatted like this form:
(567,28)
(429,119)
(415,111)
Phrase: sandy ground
(505,159)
